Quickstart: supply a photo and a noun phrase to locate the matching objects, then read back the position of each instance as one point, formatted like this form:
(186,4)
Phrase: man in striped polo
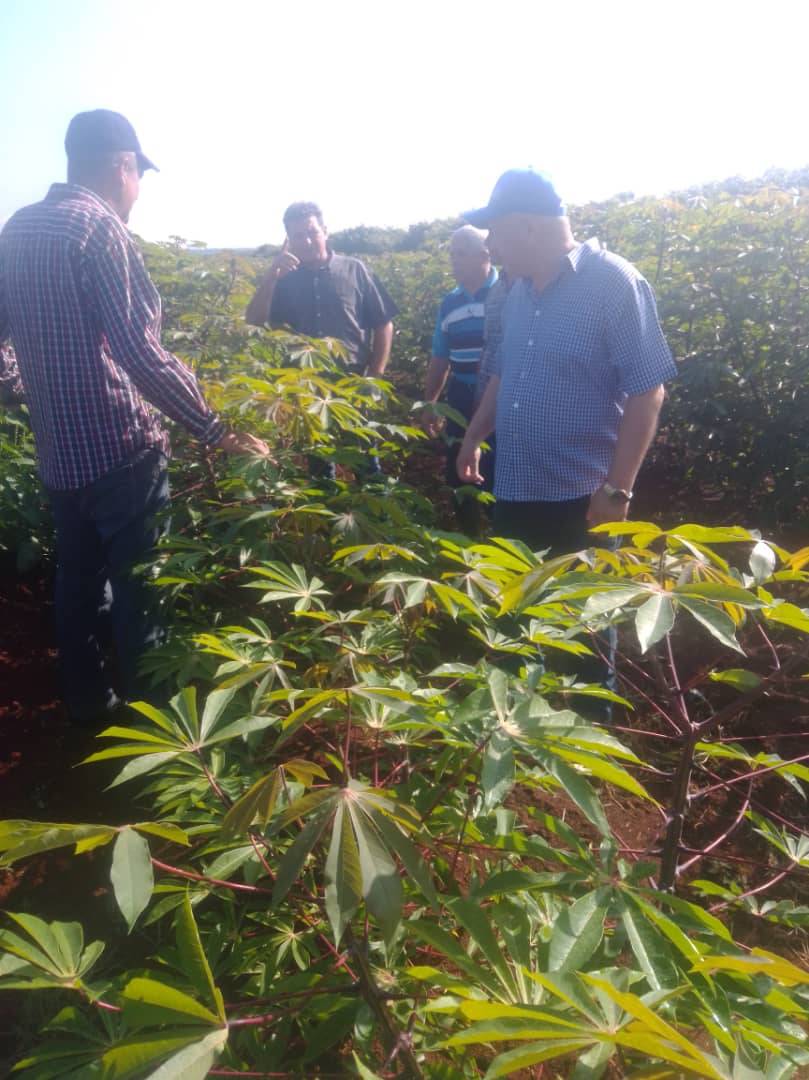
(456,351)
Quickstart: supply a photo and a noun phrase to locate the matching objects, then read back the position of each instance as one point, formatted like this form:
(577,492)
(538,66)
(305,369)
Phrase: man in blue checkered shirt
(577,381)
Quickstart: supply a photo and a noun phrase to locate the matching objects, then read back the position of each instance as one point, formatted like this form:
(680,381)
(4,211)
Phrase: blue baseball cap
(518,191)
(100,131)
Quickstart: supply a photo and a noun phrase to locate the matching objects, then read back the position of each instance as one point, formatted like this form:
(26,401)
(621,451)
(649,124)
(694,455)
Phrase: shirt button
(516,405)
(530,341)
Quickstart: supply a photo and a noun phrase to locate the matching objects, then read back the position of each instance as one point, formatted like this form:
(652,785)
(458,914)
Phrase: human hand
(602,508)
(430,422)
(241,442)
(283,263)
(467,464)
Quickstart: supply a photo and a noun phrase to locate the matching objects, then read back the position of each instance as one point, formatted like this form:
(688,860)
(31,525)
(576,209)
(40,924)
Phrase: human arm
(635,434)
(480,427)
(127,308)
(381,341)
(259,308)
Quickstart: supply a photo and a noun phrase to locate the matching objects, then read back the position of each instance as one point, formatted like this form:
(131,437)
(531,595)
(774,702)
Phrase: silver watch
(616,493)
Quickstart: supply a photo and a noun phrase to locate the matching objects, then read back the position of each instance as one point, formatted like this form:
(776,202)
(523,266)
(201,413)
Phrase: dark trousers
(562,527)
(102,532)
(461,396)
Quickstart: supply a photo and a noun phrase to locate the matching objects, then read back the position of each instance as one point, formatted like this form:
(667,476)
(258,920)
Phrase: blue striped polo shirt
(458,335)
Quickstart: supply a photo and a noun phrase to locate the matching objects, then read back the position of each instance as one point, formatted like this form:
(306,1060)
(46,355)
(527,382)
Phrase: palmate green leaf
(716,621)
(402,846)
(163,829)
(255,807)
(452,949)
(215,704)
(343,874)
(687,947)
(44,950)
(524,590)
(147,1002)
(294,858)
(738,678)
(77,1060)
(246,726)
(128,1059)
(526,1056)
(574,785)
(653,620)
(498,772)
(363,1071)
(131,874)
(719,592)
(194,961)
(577,931)
(381,884)
(184,705)
(194,1062)
(603,770)
(788,615)
(476,922)
(603,601)
(650,947)
(658,1033)
(19,838)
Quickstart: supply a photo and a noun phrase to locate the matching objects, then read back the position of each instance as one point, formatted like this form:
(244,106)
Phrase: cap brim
(481,218)
(145,163)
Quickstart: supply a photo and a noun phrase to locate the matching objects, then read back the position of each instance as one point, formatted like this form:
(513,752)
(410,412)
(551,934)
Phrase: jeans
(562,527)
(102,531)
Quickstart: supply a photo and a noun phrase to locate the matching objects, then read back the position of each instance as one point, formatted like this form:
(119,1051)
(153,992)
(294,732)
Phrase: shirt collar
(487,284)
(58,192)
(582,252)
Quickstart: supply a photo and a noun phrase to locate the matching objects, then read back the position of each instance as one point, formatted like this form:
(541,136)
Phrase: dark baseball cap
(519,191)
(102,131)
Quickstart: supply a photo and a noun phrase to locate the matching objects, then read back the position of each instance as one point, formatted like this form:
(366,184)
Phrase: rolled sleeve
(637,346)
(128,307)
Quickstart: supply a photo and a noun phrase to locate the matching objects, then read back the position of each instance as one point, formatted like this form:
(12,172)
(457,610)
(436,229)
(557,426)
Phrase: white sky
(391,113)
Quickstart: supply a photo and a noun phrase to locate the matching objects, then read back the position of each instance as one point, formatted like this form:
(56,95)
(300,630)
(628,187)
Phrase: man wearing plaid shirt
(84,318)
(577,381)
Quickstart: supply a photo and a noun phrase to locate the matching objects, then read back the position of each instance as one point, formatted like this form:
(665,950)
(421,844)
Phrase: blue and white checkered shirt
(568,359)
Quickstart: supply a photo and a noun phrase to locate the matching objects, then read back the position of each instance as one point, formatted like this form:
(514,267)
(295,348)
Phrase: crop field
(364,824)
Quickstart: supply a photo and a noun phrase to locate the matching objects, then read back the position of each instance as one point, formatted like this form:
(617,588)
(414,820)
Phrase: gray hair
(476,239)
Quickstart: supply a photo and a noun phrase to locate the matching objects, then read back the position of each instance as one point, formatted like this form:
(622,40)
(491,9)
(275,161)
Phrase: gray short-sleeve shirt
(340,299)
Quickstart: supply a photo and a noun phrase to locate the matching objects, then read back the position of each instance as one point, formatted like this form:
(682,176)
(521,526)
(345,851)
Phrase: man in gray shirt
(317,292)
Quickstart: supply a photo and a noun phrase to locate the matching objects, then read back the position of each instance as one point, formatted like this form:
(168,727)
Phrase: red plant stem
(107,1007)
(749,776)
(191,876)
(676,813)
(752,892)
(220,794)
(256,1021)
(723,836)
(347,746)
(770,646)
(741,702)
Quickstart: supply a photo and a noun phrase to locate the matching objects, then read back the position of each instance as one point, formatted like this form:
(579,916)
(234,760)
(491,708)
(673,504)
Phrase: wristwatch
(619,494)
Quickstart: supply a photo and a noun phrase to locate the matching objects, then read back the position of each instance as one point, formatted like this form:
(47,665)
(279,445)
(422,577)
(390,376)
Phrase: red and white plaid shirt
(84,318)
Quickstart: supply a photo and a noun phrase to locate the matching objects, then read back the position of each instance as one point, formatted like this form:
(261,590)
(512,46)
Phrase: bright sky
(390,113)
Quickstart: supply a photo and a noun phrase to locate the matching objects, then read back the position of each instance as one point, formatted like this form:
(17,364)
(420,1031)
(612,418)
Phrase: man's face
(512,237)
(129,175)
(308,241)
(470,262)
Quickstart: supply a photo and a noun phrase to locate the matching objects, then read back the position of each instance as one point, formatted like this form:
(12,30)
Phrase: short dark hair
(92,164)
(299,210)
